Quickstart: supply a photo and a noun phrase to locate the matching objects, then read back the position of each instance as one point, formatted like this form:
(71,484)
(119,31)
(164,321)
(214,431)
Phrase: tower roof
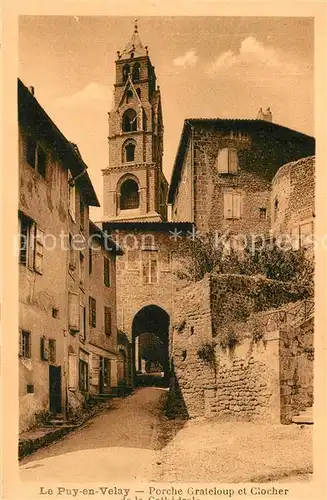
(134,46)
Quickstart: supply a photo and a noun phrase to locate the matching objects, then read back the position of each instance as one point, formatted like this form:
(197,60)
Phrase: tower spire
(135,26)
(134,46)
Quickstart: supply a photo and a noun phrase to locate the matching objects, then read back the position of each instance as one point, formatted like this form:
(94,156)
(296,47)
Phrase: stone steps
(305,417)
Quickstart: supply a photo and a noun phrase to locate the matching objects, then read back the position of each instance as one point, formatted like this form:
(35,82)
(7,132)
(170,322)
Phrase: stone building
(223,172)
(221,180)
(55,193)
(292,202)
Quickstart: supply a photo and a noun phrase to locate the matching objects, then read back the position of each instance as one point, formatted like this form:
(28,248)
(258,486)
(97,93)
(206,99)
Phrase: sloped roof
(250,125)
(32,115)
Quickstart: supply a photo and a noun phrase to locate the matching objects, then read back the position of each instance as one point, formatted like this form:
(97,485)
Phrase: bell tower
(135,188)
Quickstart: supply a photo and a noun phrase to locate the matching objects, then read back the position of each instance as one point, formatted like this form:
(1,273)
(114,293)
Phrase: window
(130,120)
(72,262)
(106,265)
(233,205)
(129,195)
(72,375)
(90,260)
(82,331)
(138,91)
(227,161)
(129,96)
(81,215)
(150,267)
(73,312)
(36,157)
(25,344)
(31,244)
(136,72)
(81,267)
(126,71)
(92,312)
(107,321)
(263,213)
(26,249)
(83,376)
(55,313)
(44,349)
(72,197)
(52,351)
(129,152)
(306,235)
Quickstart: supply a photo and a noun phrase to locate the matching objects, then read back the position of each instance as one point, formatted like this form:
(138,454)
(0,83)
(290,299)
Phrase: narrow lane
(121,443)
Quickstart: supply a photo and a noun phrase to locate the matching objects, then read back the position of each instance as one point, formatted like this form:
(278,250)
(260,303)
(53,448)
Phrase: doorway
(104,376)
(55,389)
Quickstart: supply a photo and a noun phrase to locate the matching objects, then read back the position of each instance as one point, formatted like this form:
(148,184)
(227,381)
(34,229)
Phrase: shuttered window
(106,271)
(83,376)
(73,309)
(39,244)
(92,312)
(25,344)
(72,372)
(107,321)
(227,161)
(233,205)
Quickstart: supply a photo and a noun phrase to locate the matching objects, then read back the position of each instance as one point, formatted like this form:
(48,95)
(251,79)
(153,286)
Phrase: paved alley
(122,442)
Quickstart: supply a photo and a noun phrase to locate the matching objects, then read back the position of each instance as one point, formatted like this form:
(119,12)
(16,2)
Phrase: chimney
(31,90)
(265,115)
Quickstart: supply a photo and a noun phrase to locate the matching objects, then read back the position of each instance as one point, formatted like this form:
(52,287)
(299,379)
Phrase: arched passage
(150,331)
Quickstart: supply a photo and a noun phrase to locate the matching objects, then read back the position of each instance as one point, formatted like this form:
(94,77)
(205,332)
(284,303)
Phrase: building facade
(223,172)
(55,285)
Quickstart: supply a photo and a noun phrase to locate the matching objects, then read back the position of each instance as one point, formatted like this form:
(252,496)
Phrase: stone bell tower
(135,188)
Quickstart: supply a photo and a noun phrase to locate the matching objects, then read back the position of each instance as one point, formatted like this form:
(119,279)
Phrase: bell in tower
(135,187)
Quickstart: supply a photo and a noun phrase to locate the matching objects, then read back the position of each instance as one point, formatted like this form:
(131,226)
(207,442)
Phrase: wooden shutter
(106,271)
(95,370)
(72,371)
(73,307)
(44,347)
(38,251)
(237,208)
(222,161)
(107,320)
(92,312)
(232,161)
(228,205)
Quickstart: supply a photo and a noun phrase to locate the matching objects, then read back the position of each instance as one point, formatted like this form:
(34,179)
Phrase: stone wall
(296,368)
(238,368)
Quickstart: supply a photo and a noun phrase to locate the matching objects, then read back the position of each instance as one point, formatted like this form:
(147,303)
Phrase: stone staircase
(305,417)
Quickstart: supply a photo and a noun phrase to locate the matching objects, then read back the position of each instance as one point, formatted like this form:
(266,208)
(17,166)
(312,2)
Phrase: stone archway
(150,334)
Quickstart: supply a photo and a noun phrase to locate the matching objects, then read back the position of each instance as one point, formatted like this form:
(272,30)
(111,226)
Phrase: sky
(206,67)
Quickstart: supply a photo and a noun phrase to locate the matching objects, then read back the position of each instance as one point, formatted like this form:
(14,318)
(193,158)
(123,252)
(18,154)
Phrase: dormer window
(227,161)
(126,71)
(129,121)
(136,72)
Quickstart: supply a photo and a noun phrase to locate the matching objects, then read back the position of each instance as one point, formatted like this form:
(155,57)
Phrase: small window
(233,205)
(30,388)
(25,344)
(107,321)
(83,376)
(126,71)
(129,152)
(150,267)
(92,312)
(90,260)
(136,72)
(106,271)
(227,161)
(129,121)
(52,351)
(129,195)
(263,213)
(55,313)
(129,96)
(82,332)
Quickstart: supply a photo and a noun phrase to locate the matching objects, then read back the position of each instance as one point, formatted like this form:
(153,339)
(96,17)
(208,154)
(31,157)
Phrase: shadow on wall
(175,405)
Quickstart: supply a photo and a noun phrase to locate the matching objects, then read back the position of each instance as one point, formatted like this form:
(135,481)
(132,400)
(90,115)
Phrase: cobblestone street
(133,440)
